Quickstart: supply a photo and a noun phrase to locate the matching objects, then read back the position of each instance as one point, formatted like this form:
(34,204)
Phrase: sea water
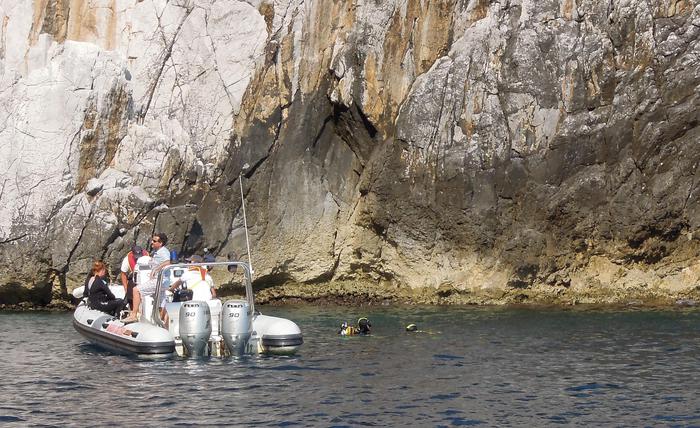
(465,366)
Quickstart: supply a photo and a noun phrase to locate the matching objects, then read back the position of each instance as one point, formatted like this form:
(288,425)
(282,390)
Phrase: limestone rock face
(524,146)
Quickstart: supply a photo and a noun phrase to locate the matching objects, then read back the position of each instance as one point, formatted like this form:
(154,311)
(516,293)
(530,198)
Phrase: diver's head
(411,327)
(364,325)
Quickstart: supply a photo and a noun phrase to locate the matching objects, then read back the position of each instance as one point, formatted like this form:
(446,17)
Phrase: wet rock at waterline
(496,149)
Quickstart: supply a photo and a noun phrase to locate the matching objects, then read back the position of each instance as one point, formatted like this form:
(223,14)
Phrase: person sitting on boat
(198,280)
(100,297)
(128,269)
(160,259)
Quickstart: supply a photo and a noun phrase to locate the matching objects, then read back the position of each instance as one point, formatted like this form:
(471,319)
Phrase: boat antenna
(245,221)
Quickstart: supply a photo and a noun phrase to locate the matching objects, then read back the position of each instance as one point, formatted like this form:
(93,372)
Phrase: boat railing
(248,283)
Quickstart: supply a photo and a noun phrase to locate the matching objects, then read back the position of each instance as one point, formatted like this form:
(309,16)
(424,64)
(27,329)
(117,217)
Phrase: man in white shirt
(159,259)
(197,279)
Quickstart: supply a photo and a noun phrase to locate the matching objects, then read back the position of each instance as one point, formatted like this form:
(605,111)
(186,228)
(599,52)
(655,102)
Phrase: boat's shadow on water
(91,349)
(278,362)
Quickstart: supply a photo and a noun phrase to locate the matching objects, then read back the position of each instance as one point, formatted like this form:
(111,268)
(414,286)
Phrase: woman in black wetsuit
(100,297)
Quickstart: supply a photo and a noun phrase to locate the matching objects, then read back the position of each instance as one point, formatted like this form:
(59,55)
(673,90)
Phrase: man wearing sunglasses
(161,255)
(159,259)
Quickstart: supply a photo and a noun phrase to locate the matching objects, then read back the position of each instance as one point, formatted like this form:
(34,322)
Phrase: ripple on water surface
(466,366)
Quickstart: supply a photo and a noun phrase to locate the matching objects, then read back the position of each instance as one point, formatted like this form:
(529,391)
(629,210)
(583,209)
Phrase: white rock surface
(185,66)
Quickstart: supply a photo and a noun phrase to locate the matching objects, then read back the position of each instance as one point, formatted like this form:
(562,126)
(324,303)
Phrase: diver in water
(363,328)
(412,328)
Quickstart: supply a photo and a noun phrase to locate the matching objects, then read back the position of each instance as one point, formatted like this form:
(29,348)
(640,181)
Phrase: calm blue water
(490,366)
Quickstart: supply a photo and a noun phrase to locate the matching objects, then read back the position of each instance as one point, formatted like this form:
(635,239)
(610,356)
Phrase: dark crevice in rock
(193,238)
(154,226)
(62,292)
(660,229)
(64,269)
(138,221)
(371,130)
(249,173)
(249,150)
(315,141)
(355,129)
(167,53)
(328,275)
(108,242)
(13,238)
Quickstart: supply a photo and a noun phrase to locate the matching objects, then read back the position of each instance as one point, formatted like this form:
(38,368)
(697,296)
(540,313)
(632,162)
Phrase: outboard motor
(195,327)
(236,326)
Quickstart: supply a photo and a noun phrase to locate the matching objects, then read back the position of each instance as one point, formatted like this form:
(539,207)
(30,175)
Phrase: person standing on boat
(127,271)
(100,297)
(160,259)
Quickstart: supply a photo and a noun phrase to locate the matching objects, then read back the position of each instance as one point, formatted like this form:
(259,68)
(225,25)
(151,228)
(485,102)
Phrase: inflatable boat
(195,327)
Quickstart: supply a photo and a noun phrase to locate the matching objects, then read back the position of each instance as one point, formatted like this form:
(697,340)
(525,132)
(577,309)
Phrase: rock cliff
(468,150)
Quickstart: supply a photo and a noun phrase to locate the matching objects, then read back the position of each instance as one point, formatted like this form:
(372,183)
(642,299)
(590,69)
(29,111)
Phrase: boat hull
(108,332)
(276,336)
